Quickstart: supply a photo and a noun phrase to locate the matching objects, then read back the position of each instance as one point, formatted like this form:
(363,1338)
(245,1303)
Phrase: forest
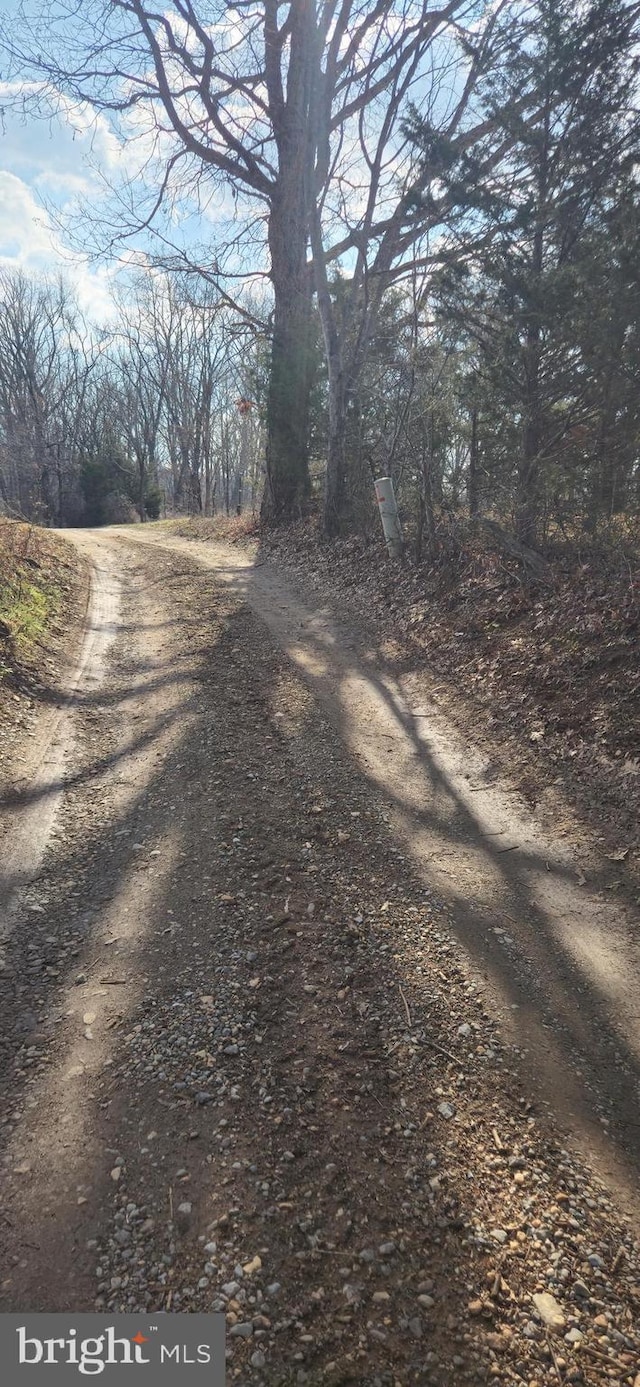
(429,271)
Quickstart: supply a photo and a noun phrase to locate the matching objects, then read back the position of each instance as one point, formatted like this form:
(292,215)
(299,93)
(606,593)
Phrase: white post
(389,516)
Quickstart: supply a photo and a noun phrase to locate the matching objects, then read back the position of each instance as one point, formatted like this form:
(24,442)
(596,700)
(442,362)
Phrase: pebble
(550,1311)
(244,1330)
(183,1216)
(446,1110)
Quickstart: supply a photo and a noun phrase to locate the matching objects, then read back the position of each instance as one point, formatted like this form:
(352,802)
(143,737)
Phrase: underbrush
(226,529)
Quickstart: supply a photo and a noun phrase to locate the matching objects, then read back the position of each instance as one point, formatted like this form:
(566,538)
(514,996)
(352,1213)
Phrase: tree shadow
(341,1034)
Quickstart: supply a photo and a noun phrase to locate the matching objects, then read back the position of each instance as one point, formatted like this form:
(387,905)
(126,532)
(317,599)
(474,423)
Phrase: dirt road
(247,1061)
(560,954)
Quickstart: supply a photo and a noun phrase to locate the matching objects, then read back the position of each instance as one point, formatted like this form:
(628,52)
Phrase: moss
(32,586)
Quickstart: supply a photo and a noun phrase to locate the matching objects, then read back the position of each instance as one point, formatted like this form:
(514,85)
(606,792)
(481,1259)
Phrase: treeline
(447,200)
(127,422)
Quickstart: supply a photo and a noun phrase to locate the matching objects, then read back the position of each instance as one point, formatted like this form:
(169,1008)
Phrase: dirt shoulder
(259,1074)
(44,586)
(543,675)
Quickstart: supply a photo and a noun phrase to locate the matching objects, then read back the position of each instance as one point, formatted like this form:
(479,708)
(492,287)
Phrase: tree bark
(291,202)
(529,470)
(336,458)
(473,489)
(287,445)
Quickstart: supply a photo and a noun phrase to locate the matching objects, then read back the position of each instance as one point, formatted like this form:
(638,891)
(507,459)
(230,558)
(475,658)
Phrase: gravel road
(252,1061)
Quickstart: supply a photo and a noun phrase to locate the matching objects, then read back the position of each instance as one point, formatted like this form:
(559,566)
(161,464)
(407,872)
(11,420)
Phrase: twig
(433,1044)
(555,1361)
(171,1203)
(495,1289)
(620,1255)
(604,1357)
(406,1007)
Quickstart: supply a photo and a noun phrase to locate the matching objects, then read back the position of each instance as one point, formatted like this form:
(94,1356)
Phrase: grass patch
(34,579)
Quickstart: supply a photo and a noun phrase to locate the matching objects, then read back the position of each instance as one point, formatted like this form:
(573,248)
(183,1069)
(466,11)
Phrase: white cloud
(26,236)
(28,241)
(65,148)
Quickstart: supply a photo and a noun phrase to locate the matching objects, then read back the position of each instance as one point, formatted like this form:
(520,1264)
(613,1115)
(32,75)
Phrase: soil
(267,995)
(36,674)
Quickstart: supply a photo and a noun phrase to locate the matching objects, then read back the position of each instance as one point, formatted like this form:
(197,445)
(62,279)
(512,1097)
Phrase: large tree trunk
(473,487)
(529,471)
(336,450)
(528,499)
(291,203)
(142,479)
(287,484)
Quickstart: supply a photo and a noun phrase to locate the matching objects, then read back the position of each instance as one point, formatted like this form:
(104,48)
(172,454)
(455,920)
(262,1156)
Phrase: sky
(50,167)
(44,166)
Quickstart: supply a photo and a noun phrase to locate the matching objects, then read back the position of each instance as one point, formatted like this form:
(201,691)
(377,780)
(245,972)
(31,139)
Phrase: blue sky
(44,166)
(50,167)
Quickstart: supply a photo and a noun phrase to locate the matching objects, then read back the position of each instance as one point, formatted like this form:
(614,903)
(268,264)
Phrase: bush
(153,502)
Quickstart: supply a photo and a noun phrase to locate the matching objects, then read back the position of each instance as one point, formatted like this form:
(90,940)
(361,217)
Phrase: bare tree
(296,106)
(227,93)
(46,359)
